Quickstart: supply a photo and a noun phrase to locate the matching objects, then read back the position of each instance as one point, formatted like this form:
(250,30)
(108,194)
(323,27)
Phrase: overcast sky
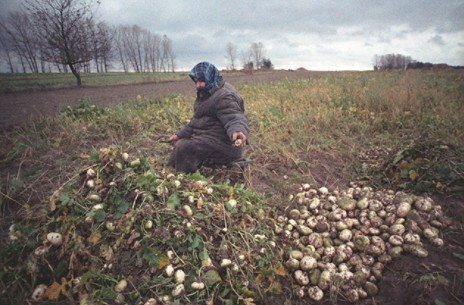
(314,34)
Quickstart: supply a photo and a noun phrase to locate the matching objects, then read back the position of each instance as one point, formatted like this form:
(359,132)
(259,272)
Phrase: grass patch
(18,82)
(344,116)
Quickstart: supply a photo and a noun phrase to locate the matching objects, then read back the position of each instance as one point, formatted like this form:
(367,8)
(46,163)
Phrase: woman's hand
(239,139)
(173,139)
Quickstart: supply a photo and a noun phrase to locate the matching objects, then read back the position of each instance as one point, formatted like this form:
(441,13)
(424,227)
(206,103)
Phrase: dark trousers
(190,153)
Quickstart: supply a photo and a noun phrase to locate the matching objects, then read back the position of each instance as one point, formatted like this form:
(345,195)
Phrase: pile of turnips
(340,241)
(180,232)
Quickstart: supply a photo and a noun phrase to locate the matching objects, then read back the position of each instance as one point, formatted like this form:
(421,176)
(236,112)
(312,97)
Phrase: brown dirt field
(19,107)
(437,279)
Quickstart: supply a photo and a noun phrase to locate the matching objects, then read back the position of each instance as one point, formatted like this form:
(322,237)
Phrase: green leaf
(100,215)
(121,209)
(404,173)
(200,216)
(224,293)
(211,277)
(228,206)
(61,269)
(194,242)
(203,254)
(154,258)
(173,201)
(197,176)
(65,199)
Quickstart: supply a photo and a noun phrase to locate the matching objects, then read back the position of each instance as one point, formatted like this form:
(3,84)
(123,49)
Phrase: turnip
(38,293)
(55,238)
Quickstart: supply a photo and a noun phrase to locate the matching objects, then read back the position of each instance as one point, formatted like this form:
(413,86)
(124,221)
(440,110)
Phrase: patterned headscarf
(208,73)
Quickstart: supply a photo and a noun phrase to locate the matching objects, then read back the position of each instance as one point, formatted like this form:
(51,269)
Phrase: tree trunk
(9,61)
(76,74)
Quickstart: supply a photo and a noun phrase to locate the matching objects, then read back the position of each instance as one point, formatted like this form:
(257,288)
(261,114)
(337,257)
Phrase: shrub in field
(85,110)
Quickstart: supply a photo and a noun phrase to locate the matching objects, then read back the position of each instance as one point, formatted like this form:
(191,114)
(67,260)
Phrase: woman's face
(199,84)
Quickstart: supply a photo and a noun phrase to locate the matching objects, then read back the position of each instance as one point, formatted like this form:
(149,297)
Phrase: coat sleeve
(230,112)
(185,132)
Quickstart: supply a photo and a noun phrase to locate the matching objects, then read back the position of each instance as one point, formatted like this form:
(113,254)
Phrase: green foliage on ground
(425,167)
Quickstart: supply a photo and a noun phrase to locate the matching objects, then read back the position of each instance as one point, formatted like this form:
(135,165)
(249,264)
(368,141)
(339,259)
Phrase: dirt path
(17,108)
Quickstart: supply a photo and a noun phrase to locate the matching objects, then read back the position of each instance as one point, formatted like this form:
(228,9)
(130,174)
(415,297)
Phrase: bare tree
(119,46)
(100,45)
(22,39)
(172,56)
(63,25)
(137,40)
(152,51)
(94,44)
(247,60)
(142,50)
(155,52)
(6,51)
(257,50)
(231,54)
(132,46)
(167,59)
(105,37)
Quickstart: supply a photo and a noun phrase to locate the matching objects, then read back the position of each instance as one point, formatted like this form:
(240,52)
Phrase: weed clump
(424,167)
(85,110)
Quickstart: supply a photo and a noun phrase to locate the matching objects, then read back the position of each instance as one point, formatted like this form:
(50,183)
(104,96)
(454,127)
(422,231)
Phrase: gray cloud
(438,40)
(454,20)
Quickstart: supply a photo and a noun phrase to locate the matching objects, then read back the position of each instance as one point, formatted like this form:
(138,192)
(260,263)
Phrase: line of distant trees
(252,59)
(63,35)
(398,61)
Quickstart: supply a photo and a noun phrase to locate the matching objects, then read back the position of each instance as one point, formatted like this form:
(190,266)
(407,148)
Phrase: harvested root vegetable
(38,293)
(121,286)
(55,238)
(347,237)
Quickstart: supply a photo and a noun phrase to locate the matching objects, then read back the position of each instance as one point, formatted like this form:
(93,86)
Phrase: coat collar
(206,94)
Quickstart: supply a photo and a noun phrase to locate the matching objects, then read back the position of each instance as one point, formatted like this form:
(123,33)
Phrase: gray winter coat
(217,115)
(206,139)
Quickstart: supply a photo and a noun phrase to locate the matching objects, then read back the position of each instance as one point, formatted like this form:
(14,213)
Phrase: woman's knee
(185,145)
